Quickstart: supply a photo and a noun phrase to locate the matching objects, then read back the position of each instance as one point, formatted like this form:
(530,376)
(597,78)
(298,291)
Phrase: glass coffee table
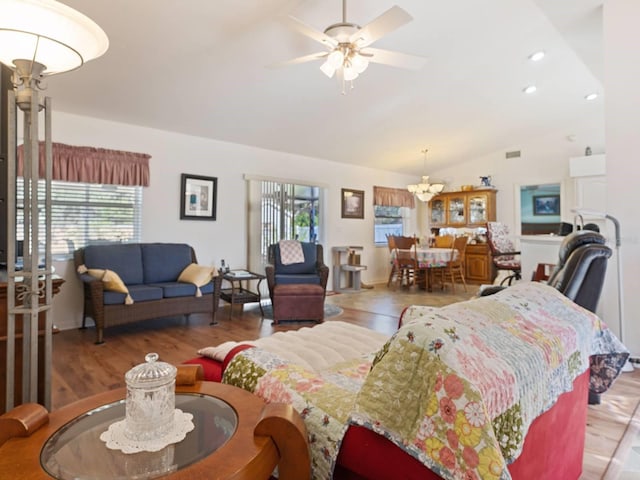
(236,435)
(71,452)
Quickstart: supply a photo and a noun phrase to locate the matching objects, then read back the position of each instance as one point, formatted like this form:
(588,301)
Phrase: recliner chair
(582,264)
(579,275)
(580,271)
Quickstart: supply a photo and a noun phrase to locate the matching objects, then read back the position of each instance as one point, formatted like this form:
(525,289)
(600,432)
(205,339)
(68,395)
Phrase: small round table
(237,436)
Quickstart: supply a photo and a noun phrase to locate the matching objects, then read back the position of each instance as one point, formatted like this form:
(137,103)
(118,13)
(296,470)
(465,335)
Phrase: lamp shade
(49,33)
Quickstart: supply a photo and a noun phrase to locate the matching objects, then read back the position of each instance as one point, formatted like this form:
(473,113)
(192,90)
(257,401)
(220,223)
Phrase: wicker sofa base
(150,271)
(114,315)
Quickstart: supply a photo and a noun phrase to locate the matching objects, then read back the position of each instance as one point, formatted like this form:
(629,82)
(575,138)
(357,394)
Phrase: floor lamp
(38,38)
(595,214)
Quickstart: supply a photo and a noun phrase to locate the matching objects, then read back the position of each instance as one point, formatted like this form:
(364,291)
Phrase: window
(391,206)
(388,221)
(85,213)
(289,211)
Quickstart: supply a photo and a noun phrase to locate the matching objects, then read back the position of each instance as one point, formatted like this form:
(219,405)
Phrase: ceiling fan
(348,45)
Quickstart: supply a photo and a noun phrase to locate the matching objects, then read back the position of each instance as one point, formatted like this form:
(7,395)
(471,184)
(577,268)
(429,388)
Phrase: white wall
(622,114)
(173,154)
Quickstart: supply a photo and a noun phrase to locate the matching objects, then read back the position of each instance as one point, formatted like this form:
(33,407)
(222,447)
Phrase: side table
(239,293)
(263,436)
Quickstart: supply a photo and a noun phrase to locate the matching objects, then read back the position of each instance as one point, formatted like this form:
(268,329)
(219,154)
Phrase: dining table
(429,259)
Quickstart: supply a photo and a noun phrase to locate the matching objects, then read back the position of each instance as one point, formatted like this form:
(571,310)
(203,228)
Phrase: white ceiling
(200,67)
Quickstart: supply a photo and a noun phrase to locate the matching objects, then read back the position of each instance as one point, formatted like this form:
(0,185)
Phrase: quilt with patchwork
(455,387)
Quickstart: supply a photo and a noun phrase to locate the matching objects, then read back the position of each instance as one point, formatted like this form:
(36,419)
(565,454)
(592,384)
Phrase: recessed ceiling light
(529,89)
(536,56)
(591,96)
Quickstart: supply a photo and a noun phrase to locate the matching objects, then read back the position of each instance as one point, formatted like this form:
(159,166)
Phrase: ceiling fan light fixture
(350,73)
(359,63)
(336,58)
(328,69)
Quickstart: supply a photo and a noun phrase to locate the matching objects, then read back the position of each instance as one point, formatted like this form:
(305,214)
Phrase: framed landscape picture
(546,205)
(198,197)
(352,203)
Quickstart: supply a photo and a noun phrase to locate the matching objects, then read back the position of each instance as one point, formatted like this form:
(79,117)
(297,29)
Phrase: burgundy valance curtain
(94,165)
(393,197)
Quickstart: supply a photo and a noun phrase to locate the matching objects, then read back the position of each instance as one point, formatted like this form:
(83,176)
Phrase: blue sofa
(150,273)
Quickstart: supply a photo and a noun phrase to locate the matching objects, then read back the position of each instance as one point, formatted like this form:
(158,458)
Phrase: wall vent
(514,154)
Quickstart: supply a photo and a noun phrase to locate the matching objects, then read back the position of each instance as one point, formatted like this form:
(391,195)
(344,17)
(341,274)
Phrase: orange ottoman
(302,301)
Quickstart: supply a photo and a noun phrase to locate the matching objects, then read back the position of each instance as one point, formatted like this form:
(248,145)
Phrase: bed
(493,388)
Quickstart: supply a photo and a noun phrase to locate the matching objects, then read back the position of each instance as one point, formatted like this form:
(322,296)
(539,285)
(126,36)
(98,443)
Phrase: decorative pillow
(199,275)
(220,352)
(111,280)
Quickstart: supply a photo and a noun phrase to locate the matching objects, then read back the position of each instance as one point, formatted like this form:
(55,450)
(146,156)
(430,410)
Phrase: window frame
(95,202)
(380,240)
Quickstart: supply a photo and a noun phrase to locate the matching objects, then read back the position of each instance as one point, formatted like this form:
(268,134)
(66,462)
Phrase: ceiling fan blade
(303,28)
(393,18)
(294,61)
(395,59)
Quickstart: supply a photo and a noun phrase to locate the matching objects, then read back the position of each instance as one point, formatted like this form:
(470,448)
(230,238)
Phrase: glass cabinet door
(437,212)
(457,210)
(478,209)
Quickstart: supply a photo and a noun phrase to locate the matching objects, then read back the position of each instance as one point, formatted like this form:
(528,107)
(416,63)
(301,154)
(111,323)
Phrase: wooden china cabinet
(467,209)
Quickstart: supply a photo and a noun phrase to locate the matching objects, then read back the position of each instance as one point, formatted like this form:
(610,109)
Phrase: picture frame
(546,204)
(198,197)
(352,203)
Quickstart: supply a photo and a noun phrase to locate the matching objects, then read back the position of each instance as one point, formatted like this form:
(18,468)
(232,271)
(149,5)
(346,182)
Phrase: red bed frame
(553,447)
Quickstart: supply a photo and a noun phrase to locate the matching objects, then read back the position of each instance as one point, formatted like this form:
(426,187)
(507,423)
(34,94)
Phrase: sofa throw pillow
(110,279)
(199,275)
(220,352)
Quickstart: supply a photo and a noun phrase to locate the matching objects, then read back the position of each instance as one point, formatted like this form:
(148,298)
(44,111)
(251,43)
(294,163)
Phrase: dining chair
(405,259)
(455,267)
(394,265)
(503,252)
(444,241)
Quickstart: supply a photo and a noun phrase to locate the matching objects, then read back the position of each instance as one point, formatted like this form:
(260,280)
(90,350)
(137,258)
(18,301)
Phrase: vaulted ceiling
(201,68)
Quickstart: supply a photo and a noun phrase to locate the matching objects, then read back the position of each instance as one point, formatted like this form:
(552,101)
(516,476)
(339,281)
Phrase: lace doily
(115,438)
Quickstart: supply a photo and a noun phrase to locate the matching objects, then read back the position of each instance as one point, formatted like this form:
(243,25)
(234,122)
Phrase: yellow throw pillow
(110,279)
(199,275)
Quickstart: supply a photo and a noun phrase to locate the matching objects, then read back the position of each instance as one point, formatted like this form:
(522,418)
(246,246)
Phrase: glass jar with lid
(150,402)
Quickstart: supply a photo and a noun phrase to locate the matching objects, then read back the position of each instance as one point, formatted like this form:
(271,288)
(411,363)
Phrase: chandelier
(424,190)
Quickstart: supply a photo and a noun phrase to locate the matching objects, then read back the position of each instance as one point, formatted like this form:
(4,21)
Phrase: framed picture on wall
(352,203)
(546,205)
(198,197)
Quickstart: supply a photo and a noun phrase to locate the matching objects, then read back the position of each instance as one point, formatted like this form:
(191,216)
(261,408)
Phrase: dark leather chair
(580,271)
(582,264)
(579,274)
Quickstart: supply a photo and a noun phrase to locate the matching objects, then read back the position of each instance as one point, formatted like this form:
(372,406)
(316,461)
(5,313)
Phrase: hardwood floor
(81,368)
